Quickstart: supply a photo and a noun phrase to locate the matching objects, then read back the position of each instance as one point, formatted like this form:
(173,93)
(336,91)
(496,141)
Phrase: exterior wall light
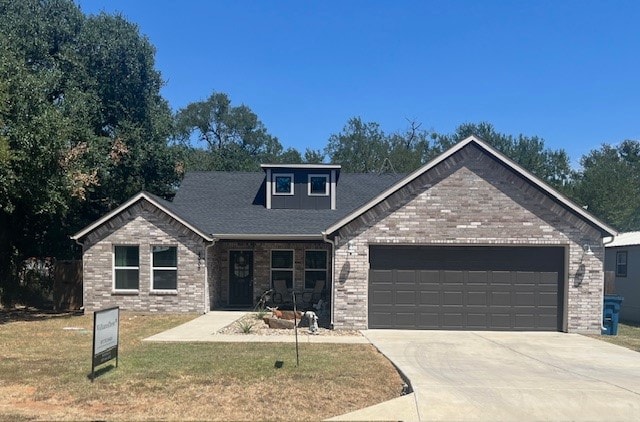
(587,250)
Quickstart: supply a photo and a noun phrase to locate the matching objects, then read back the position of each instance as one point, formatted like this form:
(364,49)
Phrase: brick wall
(144,225)
(468,199)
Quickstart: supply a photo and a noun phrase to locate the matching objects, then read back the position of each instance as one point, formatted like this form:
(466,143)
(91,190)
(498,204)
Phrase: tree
(82,126)
(360,147)
(233,136)
(609,184)
(552,166)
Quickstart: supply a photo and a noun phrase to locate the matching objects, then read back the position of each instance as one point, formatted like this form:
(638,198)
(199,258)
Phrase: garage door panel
(383,297)
(452,278)
(477,278)
(523,279)
(525,321)
(500,299)
(500,278)
(548,299)
(509,289)
(549,279)
(476,321)
(525,298)
(453,320)
(405,277)
(405,297)
(429,298)
(452,298)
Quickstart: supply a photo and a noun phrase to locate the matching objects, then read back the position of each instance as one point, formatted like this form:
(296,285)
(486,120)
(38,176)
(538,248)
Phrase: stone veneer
(218,268)
(144,225)
(471,199)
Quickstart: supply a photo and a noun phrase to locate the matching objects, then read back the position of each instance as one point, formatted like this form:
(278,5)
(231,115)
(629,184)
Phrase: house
(622,258)
(470,241)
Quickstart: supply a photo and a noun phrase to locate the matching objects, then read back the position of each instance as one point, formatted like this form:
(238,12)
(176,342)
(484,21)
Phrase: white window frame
(626,263)
(114,289)
(274,185)
(325,270)
(292,269)
(326,185)
(154,268)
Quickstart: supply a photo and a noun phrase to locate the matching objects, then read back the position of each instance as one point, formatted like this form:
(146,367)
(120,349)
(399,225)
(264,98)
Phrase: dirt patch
(259,327)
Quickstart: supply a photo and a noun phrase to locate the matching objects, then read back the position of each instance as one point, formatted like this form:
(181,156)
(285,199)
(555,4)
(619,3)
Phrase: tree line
(83,126)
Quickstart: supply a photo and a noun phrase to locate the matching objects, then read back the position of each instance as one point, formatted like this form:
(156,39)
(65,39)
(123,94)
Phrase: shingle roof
(623,239)
(232,203)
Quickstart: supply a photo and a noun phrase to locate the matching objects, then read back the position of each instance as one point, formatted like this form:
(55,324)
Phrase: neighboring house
(469,241)
(622,257)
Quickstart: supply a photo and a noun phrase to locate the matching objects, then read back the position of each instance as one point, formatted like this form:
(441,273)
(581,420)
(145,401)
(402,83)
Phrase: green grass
(628,336)
(44,371)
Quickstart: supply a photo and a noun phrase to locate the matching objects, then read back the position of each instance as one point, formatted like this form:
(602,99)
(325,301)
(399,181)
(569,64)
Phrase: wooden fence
(67,285)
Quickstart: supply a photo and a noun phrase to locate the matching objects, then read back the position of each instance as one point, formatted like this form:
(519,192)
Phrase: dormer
(301,186)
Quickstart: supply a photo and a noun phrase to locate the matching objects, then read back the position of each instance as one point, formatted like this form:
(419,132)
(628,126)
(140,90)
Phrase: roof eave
(263,236)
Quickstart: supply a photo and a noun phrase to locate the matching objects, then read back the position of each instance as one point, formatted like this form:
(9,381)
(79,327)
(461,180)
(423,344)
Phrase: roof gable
(492,152)
(159,203)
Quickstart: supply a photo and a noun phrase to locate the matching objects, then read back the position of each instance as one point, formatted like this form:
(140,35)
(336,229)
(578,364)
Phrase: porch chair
(281,293)
(315,295)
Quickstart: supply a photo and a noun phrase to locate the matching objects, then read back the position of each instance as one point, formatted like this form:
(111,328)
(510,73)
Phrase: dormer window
(282,184)
(318,185)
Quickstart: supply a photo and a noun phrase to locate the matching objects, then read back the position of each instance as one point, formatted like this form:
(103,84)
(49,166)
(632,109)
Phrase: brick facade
(471,199)
(144,225)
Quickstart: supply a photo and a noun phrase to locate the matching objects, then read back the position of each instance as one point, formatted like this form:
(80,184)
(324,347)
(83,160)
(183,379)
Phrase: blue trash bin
(610,314)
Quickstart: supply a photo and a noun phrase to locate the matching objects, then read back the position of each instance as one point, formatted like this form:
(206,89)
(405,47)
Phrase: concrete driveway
(466,375)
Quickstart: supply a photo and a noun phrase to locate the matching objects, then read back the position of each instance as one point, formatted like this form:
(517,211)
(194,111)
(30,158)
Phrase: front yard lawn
(628,336)
(44,368)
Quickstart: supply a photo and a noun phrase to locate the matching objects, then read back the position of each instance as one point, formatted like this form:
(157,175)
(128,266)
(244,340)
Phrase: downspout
(81,260)
(333,273)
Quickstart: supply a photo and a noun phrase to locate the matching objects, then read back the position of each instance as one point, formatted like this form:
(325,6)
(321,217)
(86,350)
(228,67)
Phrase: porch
(241,272)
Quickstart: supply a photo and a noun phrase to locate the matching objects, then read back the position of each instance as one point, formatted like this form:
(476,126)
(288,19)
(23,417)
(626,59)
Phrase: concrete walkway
(205,328)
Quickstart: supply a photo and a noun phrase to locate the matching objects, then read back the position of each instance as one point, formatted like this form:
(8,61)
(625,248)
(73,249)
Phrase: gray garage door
(466,288)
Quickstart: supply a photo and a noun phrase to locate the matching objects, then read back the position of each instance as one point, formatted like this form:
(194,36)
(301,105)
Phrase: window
(282,267)
(126,267)
(621,264)
(164,262)
(282,184)
(318,185)
(315,268)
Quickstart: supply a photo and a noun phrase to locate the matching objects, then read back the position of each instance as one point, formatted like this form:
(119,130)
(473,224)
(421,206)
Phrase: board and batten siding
(471,199)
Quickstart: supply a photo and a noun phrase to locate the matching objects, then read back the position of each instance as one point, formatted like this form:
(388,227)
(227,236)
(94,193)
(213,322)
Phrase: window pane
(165,279)
(283,275)
(165,256)
(127,279)
(315,260)
(312,277)
(318,185)
(283,184)
(281,259)
(127,256)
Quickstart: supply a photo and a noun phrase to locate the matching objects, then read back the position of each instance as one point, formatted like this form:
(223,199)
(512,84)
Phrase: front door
(241,278)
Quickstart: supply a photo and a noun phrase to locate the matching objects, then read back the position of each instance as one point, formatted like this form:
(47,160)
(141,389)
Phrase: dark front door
(241,277)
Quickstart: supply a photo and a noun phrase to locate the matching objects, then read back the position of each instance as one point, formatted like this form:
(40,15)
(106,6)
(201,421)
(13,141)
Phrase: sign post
(106,323)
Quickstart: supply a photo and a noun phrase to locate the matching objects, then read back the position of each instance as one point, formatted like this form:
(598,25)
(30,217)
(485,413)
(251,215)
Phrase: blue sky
(567,71)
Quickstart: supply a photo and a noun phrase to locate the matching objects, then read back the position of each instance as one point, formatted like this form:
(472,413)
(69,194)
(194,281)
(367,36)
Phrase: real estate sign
(106,324)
